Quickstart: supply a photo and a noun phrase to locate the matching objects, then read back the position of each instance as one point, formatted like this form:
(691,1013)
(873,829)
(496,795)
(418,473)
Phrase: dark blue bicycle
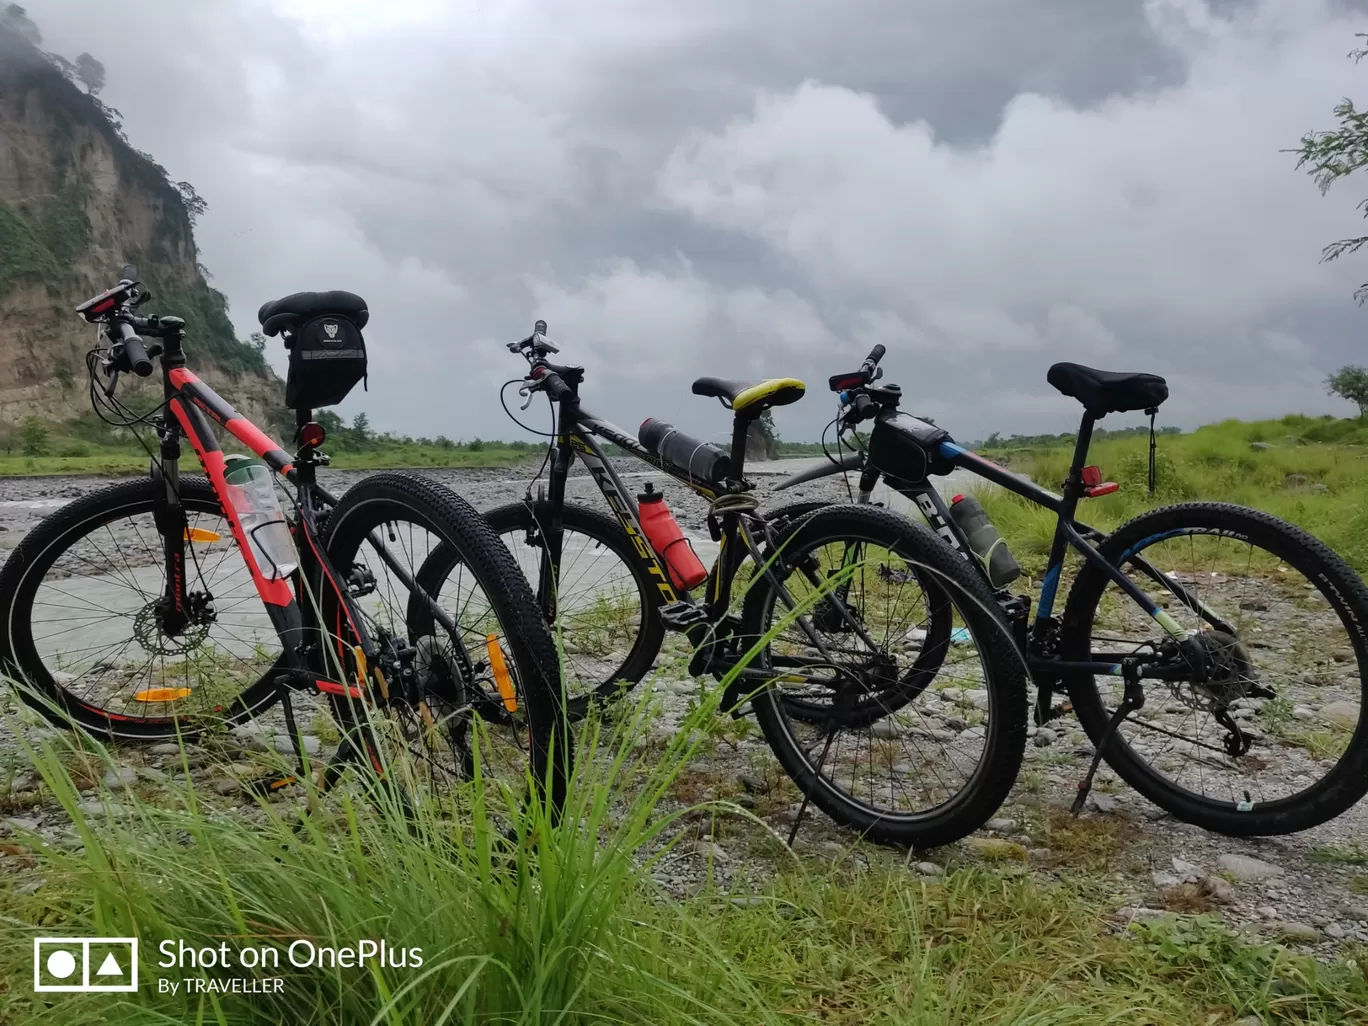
(1213,654)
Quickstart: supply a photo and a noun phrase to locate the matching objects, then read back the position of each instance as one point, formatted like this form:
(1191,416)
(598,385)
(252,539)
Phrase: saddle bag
(327,359)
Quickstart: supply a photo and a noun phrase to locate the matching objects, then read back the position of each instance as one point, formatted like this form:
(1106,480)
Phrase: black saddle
(1108,391)
(751,395)
(294,310)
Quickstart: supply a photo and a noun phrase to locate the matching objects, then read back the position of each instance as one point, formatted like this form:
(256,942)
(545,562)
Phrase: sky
(706,187)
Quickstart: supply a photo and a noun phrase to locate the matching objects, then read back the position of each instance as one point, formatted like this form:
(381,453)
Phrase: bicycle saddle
(304,306)
(756,395)
(1108,391)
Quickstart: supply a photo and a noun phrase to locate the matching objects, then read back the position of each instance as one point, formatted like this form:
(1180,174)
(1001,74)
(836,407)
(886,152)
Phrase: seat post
(1073,485)
(740,435)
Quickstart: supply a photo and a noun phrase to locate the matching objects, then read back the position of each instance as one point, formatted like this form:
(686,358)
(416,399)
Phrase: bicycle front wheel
(908,745)
(485,681)
(1264,733)
(607,620)
(86,631)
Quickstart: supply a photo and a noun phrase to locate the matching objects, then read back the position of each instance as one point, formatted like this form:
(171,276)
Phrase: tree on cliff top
(91,72)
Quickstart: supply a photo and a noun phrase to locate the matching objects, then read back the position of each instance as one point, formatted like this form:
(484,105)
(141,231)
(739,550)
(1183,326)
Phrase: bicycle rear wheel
(489,679)
(84,628)
(1268,736)
(905,756)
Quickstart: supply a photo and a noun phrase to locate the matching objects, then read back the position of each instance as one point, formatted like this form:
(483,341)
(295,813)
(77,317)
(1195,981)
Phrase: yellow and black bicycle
(854,610)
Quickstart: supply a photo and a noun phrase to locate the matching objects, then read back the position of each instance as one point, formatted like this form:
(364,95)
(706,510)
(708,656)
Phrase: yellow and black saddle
(751,398)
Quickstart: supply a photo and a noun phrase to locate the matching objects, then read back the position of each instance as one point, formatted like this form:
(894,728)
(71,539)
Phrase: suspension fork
(168,514)
(548,515)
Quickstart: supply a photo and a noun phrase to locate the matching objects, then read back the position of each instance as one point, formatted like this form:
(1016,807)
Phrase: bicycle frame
(1069,534)
(576,438)
(192,404)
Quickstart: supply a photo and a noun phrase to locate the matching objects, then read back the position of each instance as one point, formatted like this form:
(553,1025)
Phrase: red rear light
(841,382)
(1092,476)
(312,434)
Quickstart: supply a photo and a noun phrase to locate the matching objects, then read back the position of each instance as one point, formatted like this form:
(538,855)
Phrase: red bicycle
(169,605)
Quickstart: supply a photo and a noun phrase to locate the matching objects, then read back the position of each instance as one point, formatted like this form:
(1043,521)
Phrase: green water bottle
(998,561)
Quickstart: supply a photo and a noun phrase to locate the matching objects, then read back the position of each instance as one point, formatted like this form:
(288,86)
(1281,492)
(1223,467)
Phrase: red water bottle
(662,531)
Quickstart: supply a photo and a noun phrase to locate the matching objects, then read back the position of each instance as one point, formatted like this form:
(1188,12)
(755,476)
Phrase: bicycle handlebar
(551,383)
(872,360)
(133,347)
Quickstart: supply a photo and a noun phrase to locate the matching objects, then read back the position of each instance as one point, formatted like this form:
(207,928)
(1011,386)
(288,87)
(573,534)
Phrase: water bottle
(251,487)
(703,460)
(663,532)
(984,540)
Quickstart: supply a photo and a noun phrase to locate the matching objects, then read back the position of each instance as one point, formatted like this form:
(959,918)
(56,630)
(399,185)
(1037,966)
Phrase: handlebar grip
(872,360)
(134,349)
(553,385)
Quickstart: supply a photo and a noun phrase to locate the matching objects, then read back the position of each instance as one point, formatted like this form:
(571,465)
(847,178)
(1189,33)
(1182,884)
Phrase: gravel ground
(1309,889)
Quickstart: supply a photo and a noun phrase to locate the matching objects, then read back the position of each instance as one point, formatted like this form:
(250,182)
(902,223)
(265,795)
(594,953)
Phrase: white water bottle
(251,486)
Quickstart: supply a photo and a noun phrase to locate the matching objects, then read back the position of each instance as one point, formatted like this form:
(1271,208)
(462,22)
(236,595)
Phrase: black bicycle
(1234,699)
(166,606)
(849,605)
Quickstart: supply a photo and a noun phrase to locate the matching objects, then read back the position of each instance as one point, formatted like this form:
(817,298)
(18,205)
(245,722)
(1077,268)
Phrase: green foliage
(42,244)
(195,204)
(33,436)
(1350,383)
(770,434)
(91,72)
(1330,156)
(1311,471)
(996,442)
(207,327)
(61,370)
(360,428)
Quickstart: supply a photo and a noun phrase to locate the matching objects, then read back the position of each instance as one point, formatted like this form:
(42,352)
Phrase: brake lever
(113,383)
(528,391)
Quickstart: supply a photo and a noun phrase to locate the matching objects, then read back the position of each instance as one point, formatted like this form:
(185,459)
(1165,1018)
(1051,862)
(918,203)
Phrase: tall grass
(567,925)
(1310,471)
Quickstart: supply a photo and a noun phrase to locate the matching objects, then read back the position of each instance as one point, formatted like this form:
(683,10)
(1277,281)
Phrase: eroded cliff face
(76,204)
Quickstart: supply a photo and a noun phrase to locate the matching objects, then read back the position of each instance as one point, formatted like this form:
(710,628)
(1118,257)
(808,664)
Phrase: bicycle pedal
(680,616)
(267,786)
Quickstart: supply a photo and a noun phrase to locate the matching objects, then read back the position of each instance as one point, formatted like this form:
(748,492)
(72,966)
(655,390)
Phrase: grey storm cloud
(983,186)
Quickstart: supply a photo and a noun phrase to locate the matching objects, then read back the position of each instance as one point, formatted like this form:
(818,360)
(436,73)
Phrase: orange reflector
(161,694)
(276,785)
(360,664)
(502,677)
(199,534)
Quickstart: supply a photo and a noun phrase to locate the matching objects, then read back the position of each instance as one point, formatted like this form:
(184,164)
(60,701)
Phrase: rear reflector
(162,694)
(502,678)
